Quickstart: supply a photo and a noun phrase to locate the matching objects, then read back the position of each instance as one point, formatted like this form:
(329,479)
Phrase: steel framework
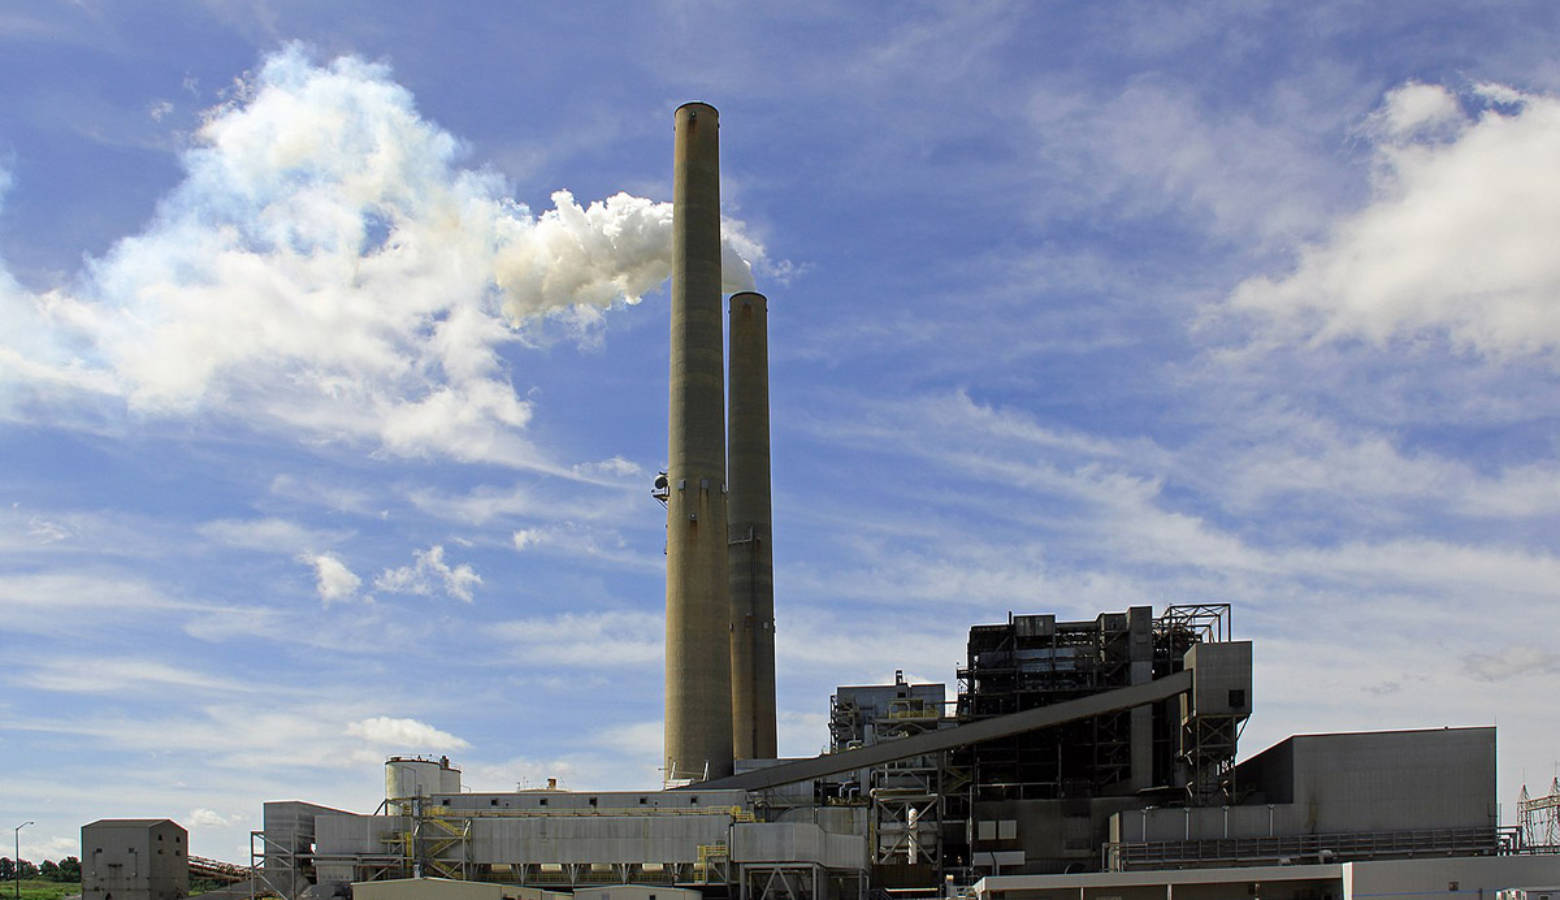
(1540,817)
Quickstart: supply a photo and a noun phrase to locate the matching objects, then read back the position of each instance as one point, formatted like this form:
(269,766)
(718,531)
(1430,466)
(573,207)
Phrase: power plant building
(914,796)
(1080,759)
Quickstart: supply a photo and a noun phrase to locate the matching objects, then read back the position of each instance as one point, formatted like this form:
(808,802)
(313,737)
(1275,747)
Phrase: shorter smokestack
(750,557)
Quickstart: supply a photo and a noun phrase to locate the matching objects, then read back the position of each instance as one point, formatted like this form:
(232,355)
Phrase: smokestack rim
(708,106)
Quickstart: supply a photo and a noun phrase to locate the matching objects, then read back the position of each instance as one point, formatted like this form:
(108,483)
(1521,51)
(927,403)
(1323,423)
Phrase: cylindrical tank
(698,597)
(750,556)
(407,778)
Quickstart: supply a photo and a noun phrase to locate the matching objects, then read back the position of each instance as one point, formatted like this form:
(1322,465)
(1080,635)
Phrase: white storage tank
(409,777)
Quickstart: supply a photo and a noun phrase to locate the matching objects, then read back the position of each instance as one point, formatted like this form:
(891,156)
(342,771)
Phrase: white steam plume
(325,267)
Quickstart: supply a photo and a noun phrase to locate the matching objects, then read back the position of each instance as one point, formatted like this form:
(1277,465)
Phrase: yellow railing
(737,813)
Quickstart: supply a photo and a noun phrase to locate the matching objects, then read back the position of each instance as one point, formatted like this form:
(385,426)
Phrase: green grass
(36,889)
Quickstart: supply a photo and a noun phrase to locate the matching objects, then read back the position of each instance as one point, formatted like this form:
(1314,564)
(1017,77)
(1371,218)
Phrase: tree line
(66,870)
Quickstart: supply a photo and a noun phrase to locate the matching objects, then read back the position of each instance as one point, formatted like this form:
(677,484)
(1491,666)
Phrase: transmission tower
(1540,817)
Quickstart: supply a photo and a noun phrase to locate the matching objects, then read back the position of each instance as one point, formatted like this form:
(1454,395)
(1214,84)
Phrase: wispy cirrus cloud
(573,539)
(270,534)
(125,675)
(1511,662)
(617,638)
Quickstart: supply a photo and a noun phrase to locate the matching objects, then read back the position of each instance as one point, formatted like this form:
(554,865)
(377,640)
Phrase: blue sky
(328,424)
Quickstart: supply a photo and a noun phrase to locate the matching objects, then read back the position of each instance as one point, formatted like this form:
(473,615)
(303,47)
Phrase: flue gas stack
(698,736)
(751,557)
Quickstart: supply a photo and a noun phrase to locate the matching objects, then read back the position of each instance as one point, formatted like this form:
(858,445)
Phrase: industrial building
(134,859)
(1072,761)
(1091,758)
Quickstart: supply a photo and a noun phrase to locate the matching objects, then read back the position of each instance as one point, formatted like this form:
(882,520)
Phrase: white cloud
(270,534)
(53,602)
(574,539)
(533,500)
(202,817)
(272,746)
(1457,241)
(333,579)
(615,467)
(326,268)
(95,675)
(330,495)
(1154,147)
(1108,523)
(819,639)
(620,638)
(1416,108)
(1521,659)
(1317,462)
(384,731)
(641,740)
(520,772)
(802,733)
(428,573)
(46,531)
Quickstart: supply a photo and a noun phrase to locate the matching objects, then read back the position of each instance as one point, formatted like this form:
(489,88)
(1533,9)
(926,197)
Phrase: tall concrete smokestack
(751,557)
(698,597)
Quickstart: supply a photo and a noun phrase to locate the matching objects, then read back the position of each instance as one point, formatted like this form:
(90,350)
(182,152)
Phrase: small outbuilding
(134,859)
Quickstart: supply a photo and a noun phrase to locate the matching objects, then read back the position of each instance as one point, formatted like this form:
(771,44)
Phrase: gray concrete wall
(1341,783)
(1185,823)
(347,834)
(595,839)
(344,833)
(833,819)
(1222,683)
(1051,833)
(1473,876)
(1396,780)
(796,842)
(1270,774)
